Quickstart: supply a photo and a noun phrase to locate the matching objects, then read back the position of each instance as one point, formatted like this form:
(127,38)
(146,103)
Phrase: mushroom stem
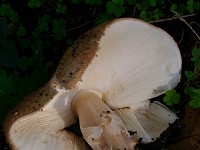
(100,126)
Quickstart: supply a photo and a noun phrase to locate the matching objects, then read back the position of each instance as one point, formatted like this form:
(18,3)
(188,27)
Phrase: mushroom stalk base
(100,126)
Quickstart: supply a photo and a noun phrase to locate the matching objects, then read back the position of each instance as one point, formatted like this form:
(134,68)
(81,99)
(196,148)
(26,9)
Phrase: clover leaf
(196,57)
(119,2)
(61,9)
(59,28)
(21,31)
(115,9)
(171,97)
(5,9)
(34,3)
(194,94)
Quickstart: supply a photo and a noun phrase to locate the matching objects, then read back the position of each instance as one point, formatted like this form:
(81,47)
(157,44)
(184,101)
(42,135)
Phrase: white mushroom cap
(126,60)
(135,62)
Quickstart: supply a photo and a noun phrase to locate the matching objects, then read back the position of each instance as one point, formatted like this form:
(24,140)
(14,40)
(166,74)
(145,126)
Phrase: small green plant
(35,3)
(61,9)
(194,94)
(191,6)
(21,31)
(193,85)
(171,97)
(150,10)
(194,75)
(7,11)
(115,7)
(59,28)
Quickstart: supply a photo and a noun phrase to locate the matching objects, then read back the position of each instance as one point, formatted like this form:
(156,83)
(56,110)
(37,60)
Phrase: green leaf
(173,7)
(61,9)
(119,10)
(196,52)
(196,57)
(103,18)
(190,2)
(34,3)
(110,7)
(43,23)
(118,2)
(59,28)
(143,14)
(171,97)
(194,94)
(157,14)
(195,103)
(131,2)
(146,15)
(138,6)
(190,75)
(181,8)
(194,90)
(196,5)
(14,16)
(153,2)
(5,10)
(114,9)
(21,31)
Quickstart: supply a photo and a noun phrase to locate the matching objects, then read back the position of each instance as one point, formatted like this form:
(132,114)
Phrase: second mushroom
(104,81)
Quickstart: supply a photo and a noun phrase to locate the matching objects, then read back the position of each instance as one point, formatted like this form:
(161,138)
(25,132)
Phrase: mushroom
(105,81)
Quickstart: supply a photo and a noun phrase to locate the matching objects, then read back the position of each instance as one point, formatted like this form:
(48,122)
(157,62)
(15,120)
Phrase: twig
(182,35)
(81,25)
(51,4)
(173,18)
(183,20)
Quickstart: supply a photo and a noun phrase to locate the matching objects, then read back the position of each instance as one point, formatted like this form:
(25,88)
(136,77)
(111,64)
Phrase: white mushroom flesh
(100,126)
